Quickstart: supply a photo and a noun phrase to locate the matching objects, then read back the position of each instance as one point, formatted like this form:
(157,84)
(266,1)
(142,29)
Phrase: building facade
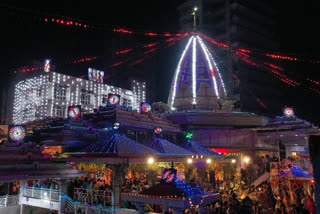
(49,95)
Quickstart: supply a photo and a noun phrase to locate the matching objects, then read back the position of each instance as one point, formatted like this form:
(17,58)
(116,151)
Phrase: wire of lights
(175,79)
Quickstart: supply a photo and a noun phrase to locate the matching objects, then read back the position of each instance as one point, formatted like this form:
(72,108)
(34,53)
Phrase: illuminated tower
(197,82)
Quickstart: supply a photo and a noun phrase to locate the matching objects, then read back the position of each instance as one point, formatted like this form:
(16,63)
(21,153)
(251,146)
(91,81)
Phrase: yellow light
(208,160)
(150,161)
(233,160)
(189,160)
(294,153)
(246,159)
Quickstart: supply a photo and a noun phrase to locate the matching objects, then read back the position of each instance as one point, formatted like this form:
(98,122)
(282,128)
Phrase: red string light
(122,30)
(150,45)
(5,119)
(124,51)
(151,34)
(86,59)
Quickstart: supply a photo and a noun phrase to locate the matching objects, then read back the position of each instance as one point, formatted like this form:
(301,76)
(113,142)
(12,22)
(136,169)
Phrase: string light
(175,79)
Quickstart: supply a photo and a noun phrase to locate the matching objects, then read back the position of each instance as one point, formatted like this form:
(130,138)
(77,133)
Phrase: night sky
(25,37)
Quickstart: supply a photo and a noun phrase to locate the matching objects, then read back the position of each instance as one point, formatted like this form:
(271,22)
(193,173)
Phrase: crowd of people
(135,186)
(46,184)
(262,200)
(92,191)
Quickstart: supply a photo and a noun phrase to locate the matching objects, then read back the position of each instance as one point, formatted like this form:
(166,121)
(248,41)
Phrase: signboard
(113,99)
(145,107)
(95,75)
(74,112)
(17,133)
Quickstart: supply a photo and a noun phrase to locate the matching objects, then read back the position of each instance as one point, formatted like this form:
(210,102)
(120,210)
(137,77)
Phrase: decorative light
(47,65)
(189,135)
(288,112)
(150,160)
(145,107)
(116,125)
(16,133)
(95,75)
(175,79)
(74,112)
(194,70)
(158,130)
(189,160)
(246,159)
(206,53)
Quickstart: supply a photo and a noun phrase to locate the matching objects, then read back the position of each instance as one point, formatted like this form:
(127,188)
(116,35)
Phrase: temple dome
(197,82)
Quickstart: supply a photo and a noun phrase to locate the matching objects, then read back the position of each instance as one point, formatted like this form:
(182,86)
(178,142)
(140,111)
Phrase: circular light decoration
(158,130)
(17,133)
(288,112)
(169,176)
(114,99)
(116,125)
(74,112)
(145,107)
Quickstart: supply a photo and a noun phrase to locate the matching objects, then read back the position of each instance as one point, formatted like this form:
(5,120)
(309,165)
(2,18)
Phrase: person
(278,202)
(311,206)
(304,203)
(286,201)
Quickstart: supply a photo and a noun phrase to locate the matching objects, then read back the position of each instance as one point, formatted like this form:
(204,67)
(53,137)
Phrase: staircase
(261,179)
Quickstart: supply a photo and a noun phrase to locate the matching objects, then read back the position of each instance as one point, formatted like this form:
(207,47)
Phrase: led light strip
(210,67)
(178,71)
(194,70)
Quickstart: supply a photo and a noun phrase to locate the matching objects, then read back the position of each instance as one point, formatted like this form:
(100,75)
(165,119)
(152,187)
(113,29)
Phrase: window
(60,93)
(59,111)
(126,102)
(85,98)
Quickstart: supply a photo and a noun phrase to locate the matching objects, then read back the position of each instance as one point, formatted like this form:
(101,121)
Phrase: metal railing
(94,197)
(41,193)
(9,200)
(78,207)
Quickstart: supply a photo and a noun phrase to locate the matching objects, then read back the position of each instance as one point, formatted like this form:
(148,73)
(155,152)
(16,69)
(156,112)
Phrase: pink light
(123,51)
(150,45)
(167,34)
(151,34)
(46,20)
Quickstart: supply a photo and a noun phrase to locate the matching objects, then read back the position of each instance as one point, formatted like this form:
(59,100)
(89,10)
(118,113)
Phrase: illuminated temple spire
(197,82)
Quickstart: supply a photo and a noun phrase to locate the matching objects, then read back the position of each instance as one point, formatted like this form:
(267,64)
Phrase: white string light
(173,96)
(210,67)
(215,65)
(194,71)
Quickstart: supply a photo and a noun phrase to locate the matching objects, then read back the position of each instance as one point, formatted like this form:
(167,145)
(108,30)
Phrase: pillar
(140,206)
(21,209)
(63,185)
(118,172)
